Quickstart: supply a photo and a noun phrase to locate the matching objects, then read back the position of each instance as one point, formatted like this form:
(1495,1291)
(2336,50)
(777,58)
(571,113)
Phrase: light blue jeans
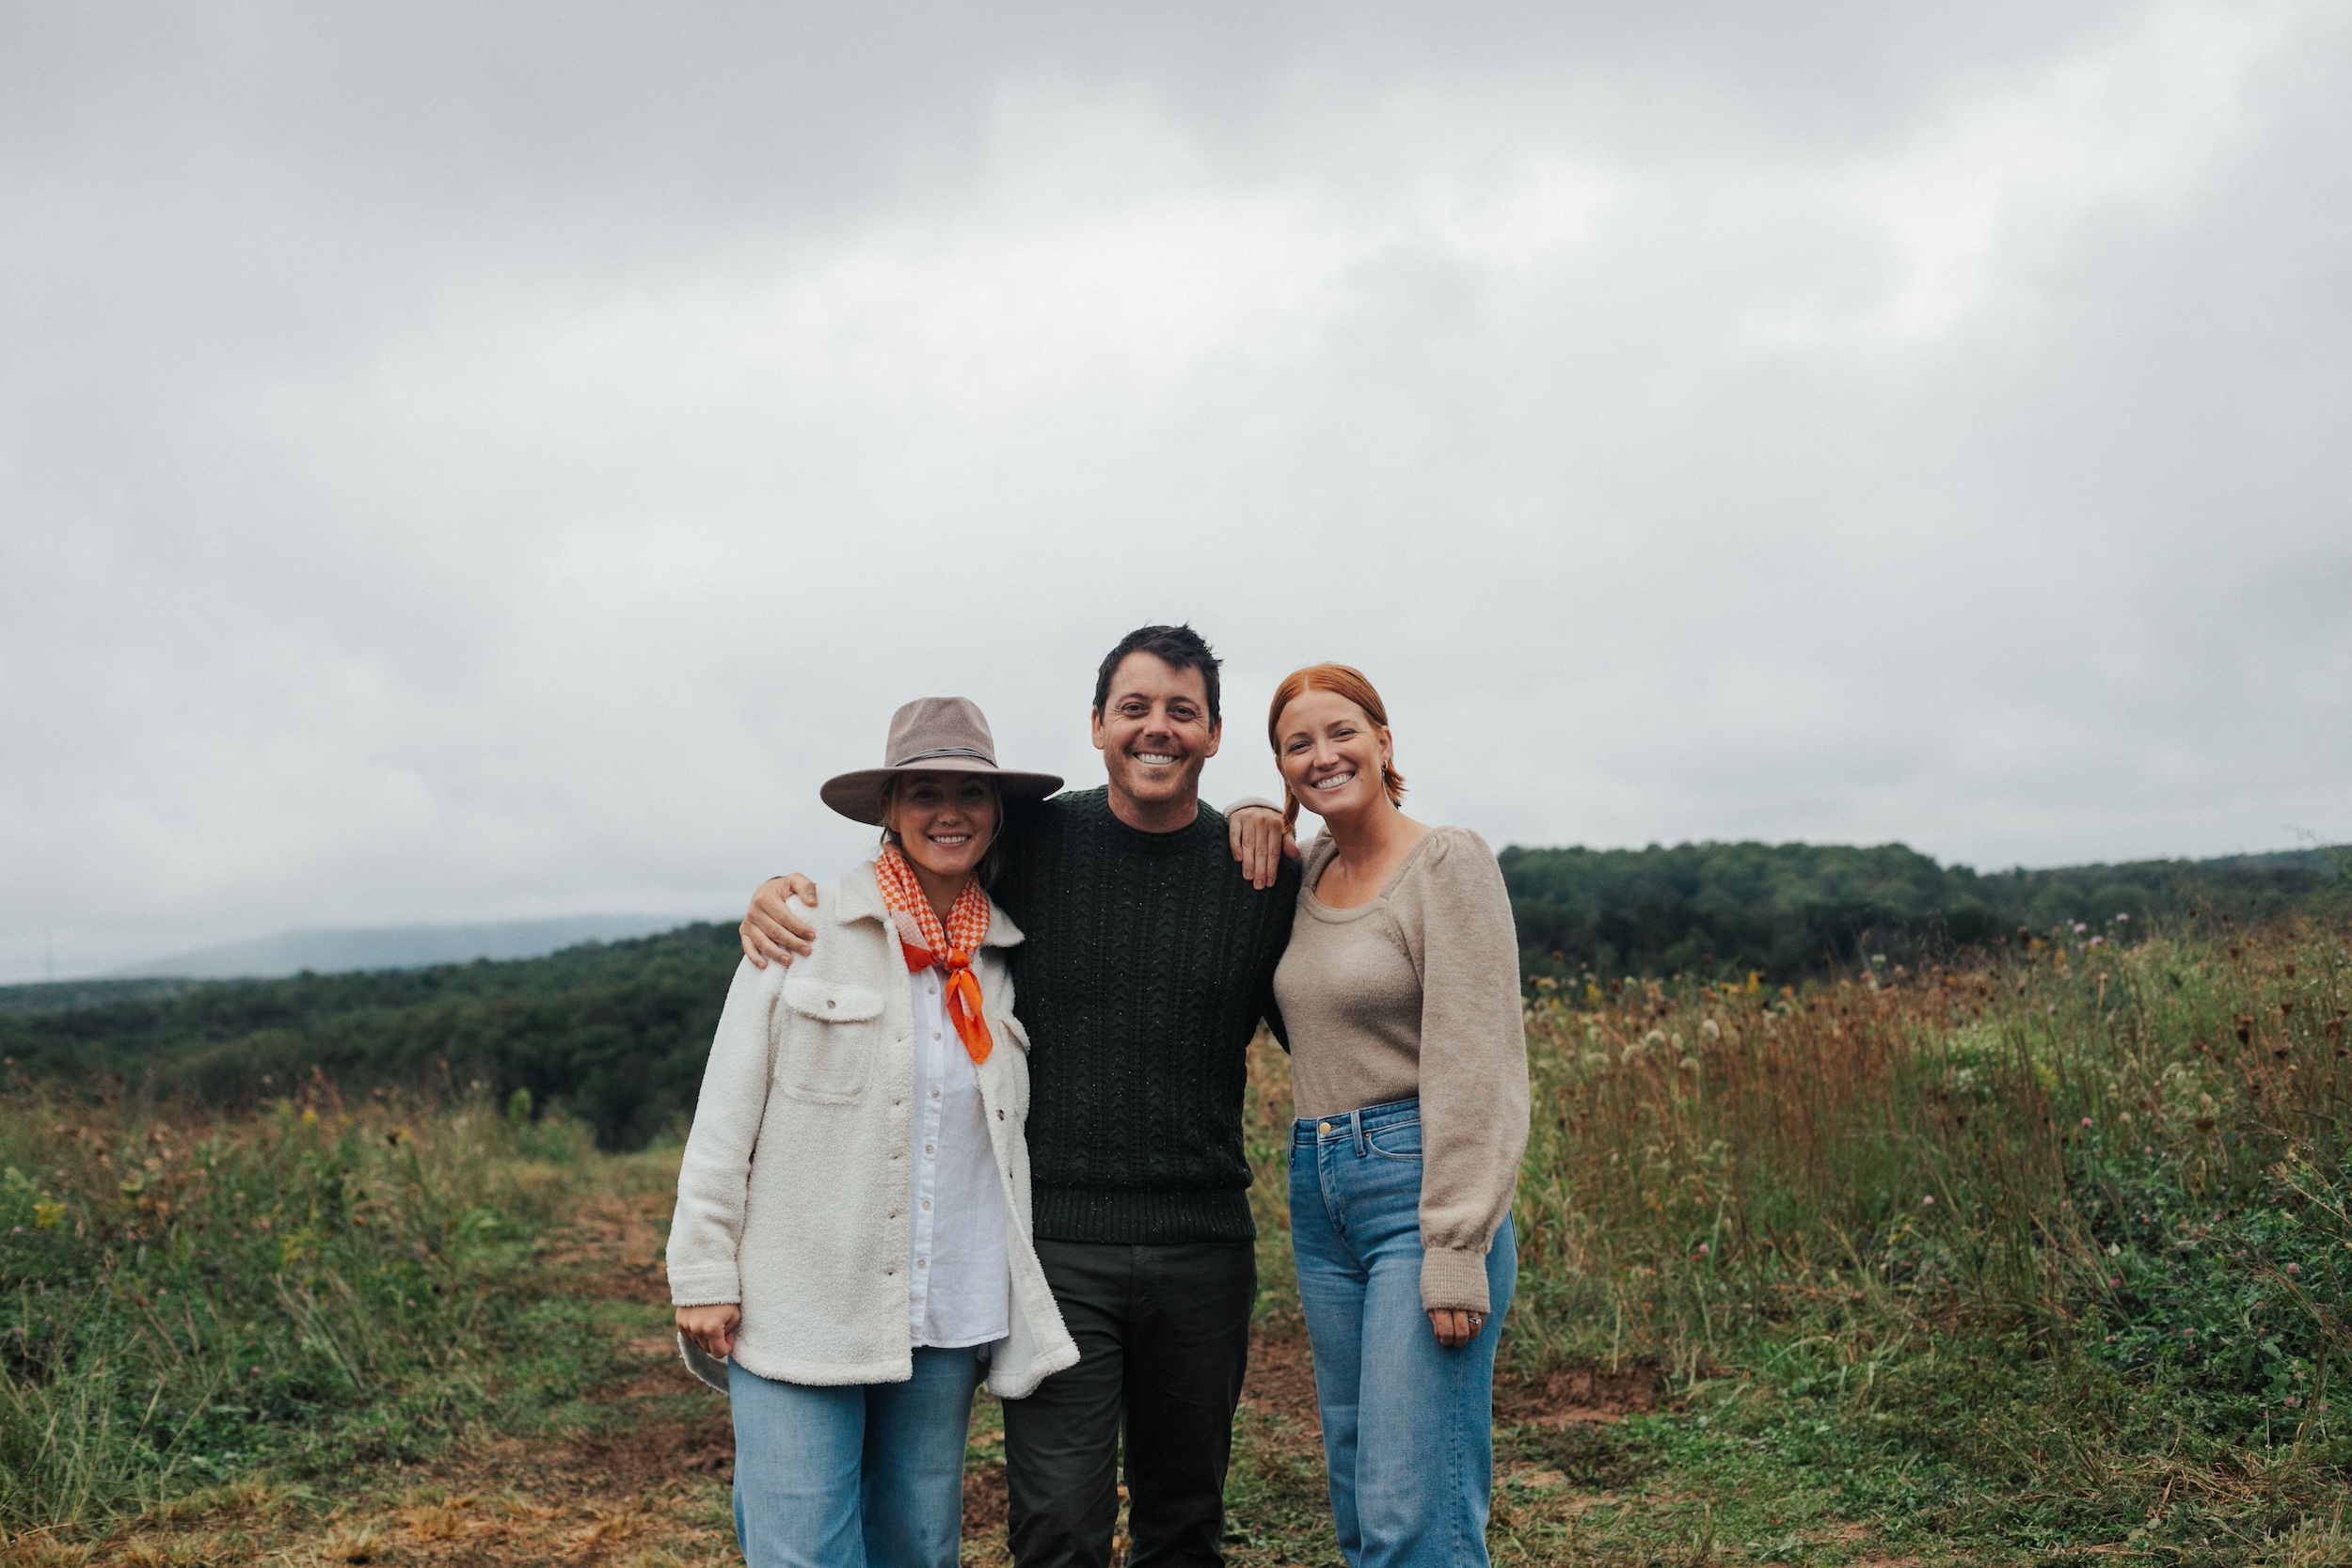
(866,1476)
(1407,1425)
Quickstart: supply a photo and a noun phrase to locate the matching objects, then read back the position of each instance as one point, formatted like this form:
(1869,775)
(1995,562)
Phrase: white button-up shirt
(959,1284)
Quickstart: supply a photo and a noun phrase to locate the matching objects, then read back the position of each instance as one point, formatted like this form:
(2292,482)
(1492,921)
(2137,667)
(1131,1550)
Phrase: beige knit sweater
(1416,994)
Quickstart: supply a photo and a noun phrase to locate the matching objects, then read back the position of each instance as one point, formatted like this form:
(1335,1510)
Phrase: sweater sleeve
(715,1175)
(1457,920)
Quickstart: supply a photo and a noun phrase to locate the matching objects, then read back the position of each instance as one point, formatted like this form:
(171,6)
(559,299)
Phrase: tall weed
(2058,1239)
(187,1296)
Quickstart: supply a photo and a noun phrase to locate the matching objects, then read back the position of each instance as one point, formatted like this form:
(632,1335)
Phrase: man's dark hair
(1178,647)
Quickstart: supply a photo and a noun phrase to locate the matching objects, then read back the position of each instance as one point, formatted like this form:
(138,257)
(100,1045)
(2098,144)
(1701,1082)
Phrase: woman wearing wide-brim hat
(851,1250)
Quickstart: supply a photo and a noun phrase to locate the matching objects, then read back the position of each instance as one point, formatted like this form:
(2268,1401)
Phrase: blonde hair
(1343,681)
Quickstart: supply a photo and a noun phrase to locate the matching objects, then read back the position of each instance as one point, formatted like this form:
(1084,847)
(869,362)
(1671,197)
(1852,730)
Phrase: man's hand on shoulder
(772,928)
(1255,832)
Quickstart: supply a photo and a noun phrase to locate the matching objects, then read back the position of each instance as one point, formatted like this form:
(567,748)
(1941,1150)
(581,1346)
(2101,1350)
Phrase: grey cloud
(470,463)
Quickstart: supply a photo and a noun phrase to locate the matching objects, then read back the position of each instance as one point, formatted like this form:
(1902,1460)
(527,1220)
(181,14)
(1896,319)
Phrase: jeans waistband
(1351,1126)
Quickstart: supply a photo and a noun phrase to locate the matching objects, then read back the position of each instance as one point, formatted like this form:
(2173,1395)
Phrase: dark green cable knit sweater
(1148,962)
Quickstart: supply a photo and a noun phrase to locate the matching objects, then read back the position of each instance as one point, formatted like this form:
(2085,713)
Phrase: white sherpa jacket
(792,1200)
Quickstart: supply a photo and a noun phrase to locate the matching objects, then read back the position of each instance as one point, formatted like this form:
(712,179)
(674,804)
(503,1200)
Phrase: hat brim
(858,795)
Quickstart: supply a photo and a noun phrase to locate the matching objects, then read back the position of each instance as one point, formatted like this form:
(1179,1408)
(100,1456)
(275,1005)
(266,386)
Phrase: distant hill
(59,996)
(337,952)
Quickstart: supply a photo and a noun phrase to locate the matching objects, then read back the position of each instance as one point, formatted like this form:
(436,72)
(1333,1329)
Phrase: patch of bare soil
(1282,1381)
(616,1241)
(1847,1533)
(1281,1377)
(1579,1395)
(986,1510)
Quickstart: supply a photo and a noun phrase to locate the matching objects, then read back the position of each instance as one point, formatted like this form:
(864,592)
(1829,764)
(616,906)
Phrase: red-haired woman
(1408,1067)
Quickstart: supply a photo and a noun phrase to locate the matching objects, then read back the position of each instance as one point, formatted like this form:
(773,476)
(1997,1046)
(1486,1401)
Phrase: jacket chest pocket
(827,1040)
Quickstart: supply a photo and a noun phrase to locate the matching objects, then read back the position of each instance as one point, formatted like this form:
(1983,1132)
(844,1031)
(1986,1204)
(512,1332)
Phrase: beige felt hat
(945,734)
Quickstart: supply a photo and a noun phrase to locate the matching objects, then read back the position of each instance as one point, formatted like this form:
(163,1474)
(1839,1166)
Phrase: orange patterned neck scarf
(927,945)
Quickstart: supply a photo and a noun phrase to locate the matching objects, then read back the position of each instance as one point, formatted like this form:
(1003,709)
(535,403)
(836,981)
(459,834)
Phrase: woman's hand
(712,1328)
(1454,1327)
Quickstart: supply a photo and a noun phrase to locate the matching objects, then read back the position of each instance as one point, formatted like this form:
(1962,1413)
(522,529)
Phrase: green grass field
(2033,1259)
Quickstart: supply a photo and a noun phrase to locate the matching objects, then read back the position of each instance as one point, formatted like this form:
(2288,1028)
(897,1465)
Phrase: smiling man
(1147,963)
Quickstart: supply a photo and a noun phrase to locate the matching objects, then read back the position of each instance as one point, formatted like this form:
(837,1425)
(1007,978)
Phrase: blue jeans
(1407,1425)
(865,1476)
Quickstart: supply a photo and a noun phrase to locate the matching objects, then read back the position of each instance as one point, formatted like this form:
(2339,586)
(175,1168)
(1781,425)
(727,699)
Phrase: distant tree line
(1789,910)
(617,1032)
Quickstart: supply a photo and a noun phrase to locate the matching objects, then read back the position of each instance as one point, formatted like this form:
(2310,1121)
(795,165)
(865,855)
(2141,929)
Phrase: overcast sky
(470,462)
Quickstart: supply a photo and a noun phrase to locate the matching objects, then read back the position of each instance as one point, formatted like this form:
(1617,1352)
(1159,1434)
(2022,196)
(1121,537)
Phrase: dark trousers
(1163,1335)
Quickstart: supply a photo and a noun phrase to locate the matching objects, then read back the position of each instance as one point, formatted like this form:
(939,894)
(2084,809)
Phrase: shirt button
(927,1203)
(934,1036)
(922,1263)
(934,1094)
(928,1149)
